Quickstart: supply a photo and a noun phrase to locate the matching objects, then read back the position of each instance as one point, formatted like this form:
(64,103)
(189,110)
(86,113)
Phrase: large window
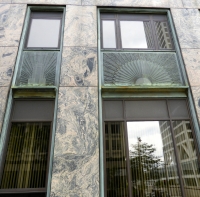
(25,162)
(138,49)
(135,31)
(41,47)
(149,149)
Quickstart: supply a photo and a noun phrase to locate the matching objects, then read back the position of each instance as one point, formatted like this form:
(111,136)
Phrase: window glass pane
(109,37)
(163,35)
(133,34)
(188,157)
(152,159)
(178,108)
(26,159)
(116,171)
(113,110)
(44,33)
(33,110)
(146,109)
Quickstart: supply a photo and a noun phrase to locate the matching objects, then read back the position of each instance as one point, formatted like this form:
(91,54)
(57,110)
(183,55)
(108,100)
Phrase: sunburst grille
(141,69)
(37,68)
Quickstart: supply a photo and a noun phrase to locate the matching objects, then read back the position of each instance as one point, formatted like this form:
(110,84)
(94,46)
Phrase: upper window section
(44,30)
(135,31)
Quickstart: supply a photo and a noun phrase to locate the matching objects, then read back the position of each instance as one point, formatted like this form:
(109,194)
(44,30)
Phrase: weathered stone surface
(187,24)
(79,67)
(196,96)
(7,62)
(11,22)
(192,62)
(3,99)
(136,3)
(72,2)
(191,3)
(76,153)
(80,26)
(5,1)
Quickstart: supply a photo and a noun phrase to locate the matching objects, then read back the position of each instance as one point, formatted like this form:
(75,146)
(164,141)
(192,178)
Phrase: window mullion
(118,33)
(129,176)
(176,154)
(156,47)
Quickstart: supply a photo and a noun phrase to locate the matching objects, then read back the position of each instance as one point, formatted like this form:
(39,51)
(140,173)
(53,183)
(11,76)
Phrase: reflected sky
(109,40)
(149,132)
(132,34)
(44,33)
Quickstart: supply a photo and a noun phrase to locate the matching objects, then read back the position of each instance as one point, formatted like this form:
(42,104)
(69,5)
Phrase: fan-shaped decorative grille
(141,69)
(37,68)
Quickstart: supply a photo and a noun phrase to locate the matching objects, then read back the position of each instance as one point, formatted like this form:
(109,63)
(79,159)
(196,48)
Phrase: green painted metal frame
(54,89)
(101,151)
(23,40)
(141,92)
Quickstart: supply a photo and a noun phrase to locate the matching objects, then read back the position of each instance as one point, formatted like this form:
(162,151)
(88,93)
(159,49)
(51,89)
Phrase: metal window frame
(170,119)
(142,92)
(5,147)
(24,37)
(148,17)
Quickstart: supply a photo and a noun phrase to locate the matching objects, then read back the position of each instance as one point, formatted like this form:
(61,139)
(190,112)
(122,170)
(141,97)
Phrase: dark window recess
(135,31)
(24,195)
(24,165)
(26,159)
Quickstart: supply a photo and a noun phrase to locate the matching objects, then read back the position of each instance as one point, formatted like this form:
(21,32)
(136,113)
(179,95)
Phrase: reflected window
(44,30)
(135,31)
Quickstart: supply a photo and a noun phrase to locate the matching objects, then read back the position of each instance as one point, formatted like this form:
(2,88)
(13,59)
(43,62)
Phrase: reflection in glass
(163,35)
(109,38)
(116,172)
(44,33)
(188,157)
(152,159)
(26,159)
(133,34)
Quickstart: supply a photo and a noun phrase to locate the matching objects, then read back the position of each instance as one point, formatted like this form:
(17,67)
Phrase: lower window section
(141,159)
(26,160)
(24,195)
(116,168)
(152,159)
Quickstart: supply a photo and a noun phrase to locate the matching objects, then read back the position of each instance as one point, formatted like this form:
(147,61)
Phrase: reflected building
(187,155)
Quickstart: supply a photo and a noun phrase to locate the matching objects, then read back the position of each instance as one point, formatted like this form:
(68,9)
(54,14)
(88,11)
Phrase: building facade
(99,98)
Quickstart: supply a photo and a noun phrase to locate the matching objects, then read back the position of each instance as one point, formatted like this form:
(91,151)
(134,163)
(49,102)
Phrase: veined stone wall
(76,155)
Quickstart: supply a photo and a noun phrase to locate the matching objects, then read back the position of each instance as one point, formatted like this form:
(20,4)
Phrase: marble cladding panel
(76,152)
(11,22)
(191,3)
(80,26)
(5,1)
(187,24)
(79,66)
(3,99)
(7,62)
(196,96)
(192,62)
(135,3)
(63,2)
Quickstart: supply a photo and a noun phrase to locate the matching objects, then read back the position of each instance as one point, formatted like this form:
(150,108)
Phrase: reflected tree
(144,166)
